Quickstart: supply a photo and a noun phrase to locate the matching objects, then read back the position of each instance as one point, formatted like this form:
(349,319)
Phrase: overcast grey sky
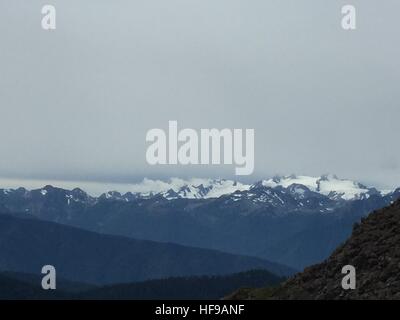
(76,103)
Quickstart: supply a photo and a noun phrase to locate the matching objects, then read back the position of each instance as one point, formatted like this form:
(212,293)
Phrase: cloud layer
(76,103)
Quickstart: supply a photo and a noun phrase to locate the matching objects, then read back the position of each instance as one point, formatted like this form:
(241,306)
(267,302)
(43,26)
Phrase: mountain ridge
(373,249)
(199,188)
(27,245)
(291,225)
(28,286)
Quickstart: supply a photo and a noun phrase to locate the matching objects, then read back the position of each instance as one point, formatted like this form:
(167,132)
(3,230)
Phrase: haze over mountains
(28,244)
(294,220)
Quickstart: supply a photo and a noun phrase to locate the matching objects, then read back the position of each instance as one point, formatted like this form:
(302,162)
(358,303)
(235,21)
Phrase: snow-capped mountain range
(328,185)
(294,220)
(197,188)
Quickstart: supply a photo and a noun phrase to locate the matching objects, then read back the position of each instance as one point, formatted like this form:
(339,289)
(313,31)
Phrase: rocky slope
(373,249)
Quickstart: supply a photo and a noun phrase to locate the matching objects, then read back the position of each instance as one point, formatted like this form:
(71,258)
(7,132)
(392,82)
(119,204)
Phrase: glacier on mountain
(197,188)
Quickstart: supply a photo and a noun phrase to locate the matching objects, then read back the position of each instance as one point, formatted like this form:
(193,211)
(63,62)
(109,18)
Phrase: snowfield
(196,188)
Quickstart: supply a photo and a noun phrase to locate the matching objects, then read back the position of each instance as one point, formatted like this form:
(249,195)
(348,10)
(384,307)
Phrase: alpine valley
(294,221)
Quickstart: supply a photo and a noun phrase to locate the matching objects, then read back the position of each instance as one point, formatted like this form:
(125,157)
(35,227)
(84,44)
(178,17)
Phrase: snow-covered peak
(6,191)
(286,181)
(198,188)
(111,195)
(329,185)
(190,189)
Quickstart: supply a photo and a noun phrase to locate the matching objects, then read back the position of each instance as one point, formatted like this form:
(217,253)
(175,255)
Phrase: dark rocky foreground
(373,249)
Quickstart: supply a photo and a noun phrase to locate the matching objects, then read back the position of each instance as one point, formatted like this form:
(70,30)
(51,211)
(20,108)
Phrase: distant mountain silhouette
(83,256)
(15,289)
(205,287)
(27,286)
(373,249)
(35,280)
(291,225)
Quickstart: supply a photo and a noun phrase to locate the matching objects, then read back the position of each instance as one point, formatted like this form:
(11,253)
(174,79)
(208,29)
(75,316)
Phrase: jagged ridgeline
(373,249)
(294,220)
